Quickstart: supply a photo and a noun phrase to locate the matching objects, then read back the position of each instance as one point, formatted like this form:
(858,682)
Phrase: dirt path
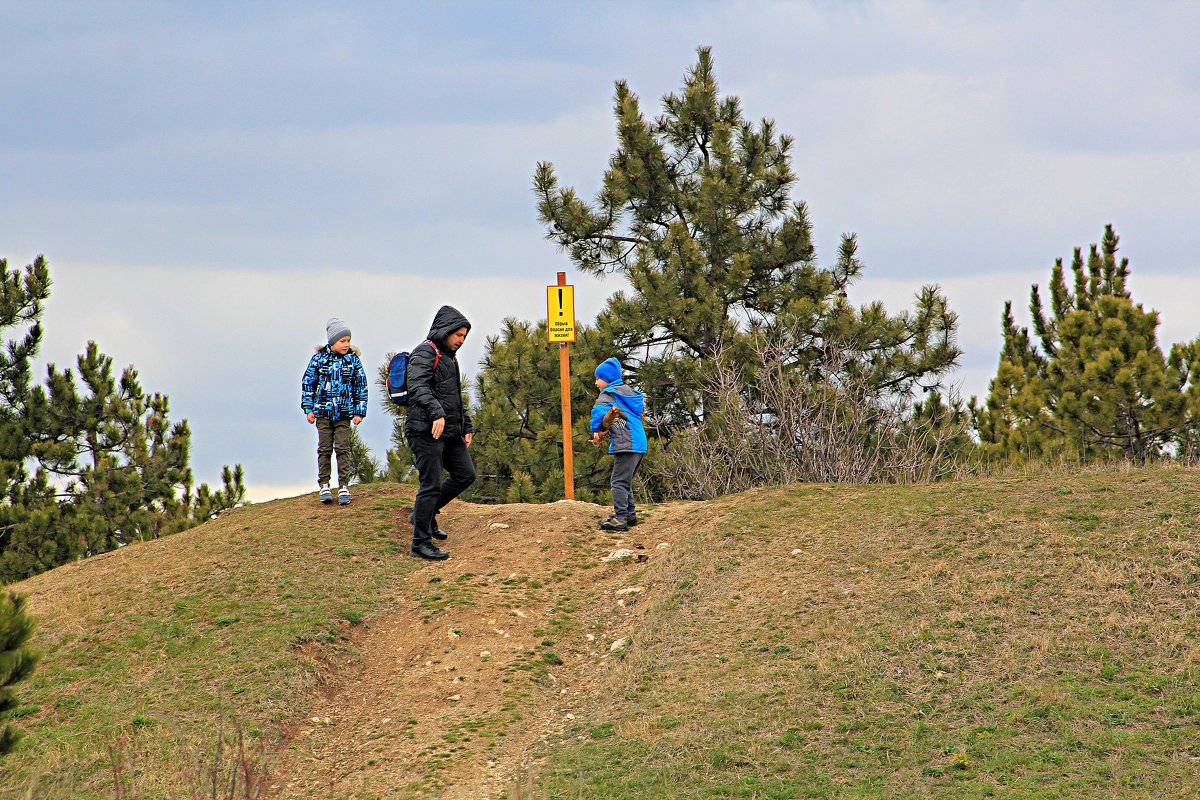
(488,655)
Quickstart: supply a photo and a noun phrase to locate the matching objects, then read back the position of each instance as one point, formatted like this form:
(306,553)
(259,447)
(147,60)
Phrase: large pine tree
(27,506)
(1091,383)
(696,215)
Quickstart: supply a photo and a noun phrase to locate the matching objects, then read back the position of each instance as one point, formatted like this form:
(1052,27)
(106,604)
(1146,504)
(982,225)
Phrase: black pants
(432,456)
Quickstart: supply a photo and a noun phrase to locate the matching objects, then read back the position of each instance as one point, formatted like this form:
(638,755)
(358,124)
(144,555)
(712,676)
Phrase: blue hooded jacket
(628,433)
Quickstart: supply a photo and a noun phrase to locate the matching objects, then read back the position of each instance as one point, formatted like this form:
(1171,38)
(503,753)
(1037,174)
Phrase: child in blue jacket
(618,412)
(333,394)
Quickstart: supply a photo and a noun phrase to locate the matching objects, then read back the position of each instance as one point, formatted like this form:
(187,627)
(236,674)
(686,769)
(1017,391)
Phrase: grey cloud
(196,169)
(371,196)
(306,68)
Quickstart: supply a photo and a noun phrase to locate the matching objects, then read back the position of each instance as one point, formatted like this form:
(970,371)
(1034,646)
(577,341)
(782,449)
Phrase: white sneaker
(343,496)
(326,495)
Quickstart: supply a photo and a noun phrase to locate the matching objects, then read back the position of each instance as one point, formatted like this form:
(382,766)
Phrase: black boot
(427,551)
(438,533)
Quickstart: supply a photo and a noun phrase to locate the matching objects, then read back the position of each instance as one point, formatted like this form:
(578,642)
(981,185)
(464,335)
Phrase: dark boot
(427,551)
(614,523)
(438,533)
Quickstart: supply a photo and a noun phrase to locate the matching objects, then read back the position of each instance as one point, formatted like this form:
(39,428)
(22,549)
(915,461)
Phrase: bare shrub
(232,769)
(525,787)
(823,421)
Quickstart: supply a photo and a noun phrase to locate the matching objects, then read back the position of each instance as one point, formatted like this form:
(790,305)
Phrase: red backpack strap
(437,354)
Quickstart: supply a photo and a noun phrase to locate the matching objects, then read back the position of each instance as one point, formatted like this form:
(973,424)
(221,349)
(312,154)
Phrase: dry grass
(165,642)
(352,669)
(1032,634)
(1016,637)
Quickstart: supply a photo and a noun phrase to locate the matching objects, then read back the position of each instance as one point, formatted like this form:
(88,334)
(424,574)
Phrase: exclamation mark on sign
(560,308)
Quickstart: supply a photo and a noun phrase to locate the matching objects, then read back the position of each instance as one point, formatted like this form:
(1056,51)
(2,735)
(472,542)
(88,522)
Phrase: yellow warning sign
(560,314)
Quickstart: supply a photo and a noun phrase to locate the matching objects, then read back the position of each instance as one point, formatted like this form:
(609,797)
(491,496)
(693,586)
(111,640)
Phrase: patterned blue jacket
(334,387)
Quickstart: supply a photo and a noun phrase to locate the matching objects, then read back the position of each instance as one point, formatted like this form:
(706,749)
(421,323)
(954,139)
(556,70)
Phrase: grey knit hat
(336,329)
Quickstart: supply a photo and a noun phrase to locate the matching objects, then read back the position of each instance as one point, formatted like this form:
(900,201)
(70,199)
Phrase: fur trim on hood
(353,349)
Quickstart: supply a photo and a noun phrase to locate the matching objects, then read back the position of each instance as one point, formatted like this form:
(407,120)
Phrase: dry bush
(233,769)
(823,423)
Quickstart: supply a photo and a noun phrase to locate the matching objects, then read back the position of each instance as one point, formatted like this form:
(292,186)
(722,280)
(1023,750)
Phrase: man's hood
(446,321)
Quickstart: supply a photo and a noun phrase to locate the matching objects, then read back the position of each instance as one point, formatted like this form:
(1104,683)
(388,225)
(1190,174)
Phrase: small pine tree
(1185,360)
(364,467)
(122,463)
(519,416)
(520,489)
(88,461)
(1092,382)
(26,500)
(206,503)
(400,467)
(16,661)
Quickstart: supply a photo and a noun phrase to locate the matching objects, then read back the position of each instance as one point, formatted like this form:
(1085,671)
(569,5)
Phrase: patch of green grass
(391,503)
(352,616)
(901,642)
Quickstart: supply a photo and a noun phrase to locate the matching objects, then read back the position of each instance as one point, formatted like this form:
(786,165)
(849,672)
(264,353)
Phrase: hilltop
(1032,636)
(308,626)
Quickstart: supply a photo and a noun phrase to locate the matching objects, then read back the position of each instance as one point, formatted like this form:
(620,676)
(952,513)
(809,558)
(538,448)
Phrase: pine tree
(207,503)
(16,661)
(695,213)
(364,467)
(400,467)
(1092,382)
(519,418)
(89,463)
(28,502)
(1185,360)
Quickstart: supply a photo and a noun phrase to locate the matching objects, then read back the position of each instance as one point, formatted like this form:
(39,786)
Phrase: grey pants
(625,466)
(333,436)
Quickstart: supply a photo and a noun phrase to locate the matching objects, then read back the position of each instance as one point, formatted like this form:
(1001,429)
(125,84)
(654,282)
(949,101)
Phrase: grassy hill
(1020,637)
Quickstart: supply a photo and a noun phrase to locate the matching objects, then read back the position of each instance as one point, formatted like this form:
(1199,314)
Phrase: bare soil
(486,657)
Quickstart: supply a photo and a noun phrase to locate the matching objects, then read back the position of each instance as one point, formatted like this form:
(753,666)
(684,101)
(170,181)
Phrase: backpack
(397,377)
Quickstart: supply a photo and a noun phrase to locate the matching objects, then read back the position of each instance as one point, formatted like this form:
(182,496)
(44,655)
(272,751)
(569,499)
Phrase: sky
(210,182)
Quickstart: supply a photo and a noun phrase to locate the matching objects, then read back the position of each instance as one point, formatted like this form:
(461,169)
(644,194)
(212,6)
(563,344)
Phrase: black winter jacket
(437,393)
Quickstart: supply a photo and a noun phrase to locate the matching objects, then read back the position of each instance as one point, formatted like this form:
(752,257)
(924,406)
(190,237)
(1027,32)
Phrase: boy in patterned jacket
(333,394)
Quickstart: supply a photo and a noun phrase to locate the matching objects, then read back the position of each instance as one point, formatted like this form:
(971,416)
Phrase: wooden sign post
(560,329)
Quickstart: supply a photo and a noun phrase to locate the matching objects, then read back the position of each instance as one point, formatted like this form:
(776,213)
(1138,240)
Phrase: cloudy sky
(211,181)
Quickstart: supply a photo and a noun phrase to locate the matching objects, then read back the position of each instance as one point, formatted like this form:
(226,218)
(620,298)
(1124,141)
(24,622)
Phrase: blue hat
(609,370)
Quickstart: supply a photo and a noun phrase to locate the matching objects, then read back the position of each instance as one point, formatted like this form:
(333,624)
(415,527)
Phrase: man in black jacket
(438,427)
